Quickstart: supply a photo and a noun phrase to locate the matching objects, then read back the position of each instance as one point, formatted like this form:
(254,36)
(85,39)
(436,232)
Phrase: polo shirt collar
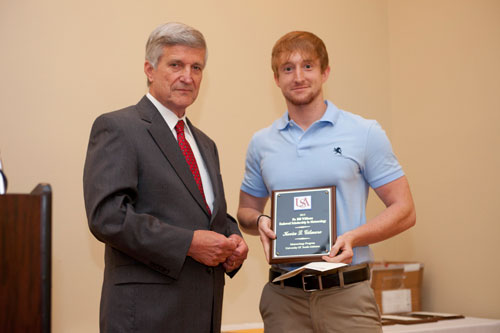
(331,115)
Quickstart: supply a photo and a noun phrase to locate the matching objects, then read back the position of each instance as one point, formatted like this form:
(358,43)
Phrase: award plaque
(304,223)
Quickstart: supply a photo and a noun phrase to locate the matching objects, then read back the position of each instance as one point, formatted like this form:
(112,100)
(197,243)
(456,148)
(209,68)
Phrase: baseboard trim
(243,326)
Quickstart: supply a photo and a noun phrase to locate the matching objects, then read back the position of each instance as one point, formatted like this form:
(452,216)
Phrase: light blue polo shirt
(340,149)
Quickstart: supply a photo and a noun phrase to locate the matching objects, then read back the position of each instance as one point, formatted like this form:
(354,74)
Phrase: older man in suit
(154,195)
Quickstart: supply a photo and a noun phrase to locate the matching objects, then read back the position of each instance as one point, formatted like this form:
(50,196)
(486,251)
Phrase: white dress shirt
(171,119)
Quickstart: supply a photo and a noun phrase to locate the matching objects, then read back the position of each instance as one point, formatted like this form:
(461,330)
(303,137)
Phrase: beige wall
(445,112)
(427,70)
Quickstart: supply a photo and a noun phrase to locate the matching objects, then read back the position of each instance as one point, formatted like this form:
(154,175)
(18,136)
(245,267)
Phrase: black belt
(313,282)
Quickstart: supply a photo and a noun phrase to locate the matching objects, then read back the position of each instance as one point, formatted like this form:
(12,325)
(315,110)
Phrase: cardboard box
(397,286)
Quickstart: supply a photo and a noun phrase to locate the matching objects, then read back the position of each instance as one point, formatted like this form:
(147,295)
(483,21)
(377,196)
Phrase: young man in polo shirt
(315,144)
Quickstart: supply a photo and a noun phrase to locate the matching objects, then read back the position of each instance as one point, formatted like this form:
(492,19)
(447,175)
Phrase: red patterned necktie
(189,156)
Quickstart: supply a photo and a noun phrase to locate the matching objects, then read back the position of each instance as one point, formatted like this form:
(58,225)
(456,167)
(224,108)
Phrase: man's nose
(299,74)
(187,75)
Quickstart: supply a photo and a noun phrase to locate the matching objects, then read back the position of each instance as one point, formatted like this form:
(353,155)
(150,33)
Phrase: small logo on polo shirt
(337,150)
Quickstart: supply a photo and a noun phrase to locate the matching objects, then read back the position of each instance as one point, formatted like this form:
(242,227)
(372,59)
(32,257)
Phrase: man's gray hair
(171,34)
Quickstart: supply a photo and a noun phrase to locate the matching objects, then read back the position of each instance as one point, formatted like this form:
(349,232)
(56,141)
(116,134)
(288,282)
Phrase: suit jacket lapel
(207,153)
(167,143)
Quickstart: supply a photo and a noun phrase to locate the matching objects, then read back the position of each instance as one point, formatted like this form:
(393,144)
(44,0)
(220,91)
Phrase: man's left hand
(239,254)
(341,251)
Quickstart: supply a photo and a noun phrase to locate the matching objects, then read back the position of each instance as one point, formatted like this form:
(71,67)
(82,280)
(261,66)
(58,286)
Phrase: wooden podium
(25,261)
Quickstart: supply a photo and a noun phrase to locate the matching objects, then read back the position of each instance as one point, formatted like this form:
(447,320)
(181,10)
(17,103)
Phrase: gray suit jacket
(143,203)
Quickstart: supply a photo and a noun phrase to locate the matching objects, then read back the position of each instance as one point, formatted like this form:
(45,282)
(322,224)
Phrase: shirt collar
(170,118)
(331,115)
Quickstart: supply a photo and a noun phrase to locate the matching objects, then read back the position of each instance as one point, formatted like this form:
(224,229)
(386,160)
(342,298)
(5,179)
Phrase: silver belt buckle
(320,281)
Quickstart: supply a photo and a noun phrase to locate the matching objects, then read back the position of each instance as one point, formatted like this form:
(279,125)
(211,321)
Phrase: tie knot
(180,126)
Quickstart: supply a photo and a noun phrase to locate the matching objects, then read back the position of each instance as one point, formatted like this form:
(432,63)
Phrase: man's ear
(326,74)
(277,79)
(148,70)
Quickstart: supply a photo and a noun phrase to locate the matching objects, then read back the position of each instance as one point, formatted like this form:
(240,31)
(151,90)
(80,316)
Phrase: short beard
(304,100)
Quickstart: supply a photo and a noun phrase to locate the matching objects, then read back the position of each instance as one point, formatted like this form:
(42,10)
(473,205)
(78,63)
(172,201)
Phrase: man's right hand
(249,210)
(266,235)
(210,248)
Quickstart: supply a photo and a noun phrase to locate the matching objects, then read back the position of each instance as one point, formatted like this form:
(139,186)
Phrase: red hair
(303,42)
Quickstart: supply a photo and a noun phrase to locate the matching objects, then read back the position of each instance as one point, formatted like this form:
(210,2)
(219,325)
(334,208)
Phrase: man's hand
(266,235)
(211,248)
(239,254)
(341,251)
